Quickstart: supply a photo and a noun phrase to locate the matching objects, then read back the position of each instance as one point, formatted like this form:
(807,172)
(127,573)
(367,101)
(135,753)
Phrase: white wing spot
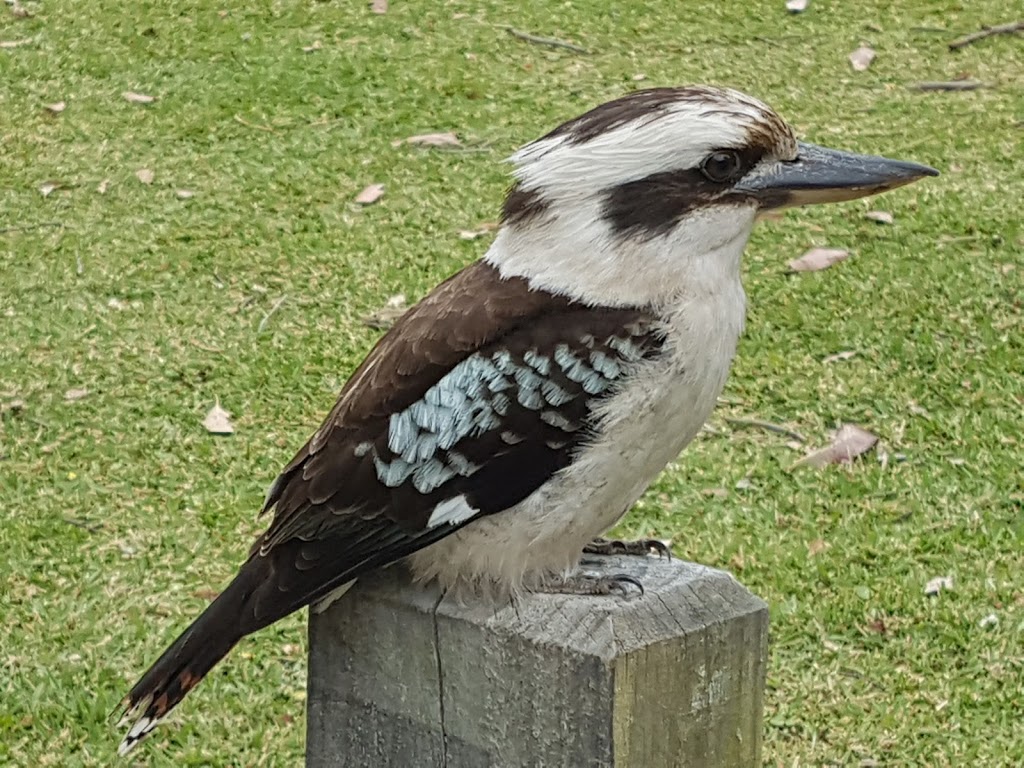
(451,512)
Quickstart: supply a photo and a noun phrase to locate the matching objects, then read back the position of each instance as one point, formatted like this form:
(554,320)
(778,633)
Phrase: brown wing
(482,391)
(471,309)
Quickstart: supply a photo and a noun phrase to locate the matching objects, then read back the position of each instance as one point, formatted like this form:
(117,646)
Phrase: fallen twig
(951,85)
(206,348)
(85,525)
(28,227)
(1000,29)
(266,318)
(17,43)
(729,400)
(549,41)
(243,121)
(767,426)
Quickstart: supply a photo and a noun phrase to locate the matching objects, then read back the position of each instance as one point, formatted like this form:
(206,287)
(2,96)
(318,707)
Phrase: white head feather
(571,247)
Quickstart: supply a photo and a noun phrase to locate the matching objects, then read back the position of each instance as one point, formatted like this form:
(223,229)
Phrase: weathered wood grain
(400,676)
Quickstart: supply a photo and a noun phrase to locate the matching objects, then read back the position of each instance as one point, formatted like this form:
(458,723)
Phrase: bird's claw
(591,584)
(640,547)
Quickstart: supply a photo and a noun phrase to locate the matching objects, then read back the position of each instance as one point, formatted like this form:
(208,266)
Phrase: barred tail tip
(142,723)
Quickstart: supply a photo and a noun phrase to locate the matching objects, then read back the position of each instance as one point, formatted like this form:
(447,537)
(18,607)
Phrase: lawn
(241,272)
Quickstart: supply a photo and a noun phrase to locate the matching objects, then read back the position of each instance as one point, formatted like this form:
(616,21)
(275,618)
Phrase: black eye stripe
(653,205)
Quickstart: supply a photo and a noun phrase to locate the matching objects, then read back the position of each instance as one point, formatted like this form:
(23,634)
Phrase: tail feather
(187,661)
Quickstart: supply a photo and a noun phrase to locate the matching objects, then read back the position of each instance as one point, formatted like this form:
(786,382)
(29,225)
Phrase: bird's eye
(721,166)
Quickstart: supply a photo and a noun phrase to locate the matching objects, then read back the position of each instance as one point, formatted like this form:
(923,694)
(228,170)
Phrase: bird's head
(654,194)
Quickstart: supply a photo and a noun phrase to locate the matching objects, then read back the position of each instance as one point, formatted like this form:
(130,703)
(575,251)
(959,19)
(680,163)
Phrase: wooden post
(401,677)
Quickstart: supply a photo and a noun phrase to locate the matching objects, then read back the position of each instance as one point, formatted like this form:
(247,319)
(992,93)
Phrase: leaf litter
(861,58)
(817,259)
(442,139)
(218,421)
(849,442)
(846,354)
(937,585)
(484,228)
(880,217)
(138,98)
(370,194)
(50,186)
(386,316)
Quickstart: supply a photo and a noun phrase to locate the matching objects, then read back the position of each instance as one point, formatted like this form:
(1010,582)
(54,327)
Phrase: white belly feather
(645,425)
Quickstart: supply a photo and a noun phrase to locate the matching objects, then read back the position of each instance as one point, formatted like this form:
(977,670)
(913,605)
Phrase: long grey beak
(820,175)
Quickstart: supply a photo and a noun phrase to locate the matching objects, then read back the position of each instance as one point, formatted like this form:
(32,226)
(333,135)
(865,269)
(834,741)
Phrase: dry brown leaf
(49,187)
(218,421)
(445,139)
(75,394)
(878,626)
(882,217)
(386,316)
(379,6)
(370,194)
(796,6)
(849,442)
(473,234)
(138,98)
(481,229)
(316,46)
(844,355)
(205,593)
(19,11)
(714,493)
(12,406)
(936,585)
(145,175)
(17,43)
(184,194)
(818,258)
(861,58)
(56,108)
(101,188)
(816,547)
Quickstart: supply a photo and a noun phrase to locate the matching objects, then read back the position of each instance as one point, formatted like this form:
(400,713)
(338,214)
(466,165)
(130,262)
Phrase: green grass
(154,304)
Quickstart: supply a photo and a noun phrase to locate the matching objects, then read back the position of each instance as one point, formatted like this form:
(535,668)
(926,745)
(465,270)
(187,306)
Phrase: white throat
(572,251)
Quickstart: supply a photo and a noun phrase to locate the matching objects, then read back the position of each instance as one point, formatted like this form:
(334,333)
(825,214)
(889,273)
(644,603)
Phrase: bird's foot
(642,547)
(592,584)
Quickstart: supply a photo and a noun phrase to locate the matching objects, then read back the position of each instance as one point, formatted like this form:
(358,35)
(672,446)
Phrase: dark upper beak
(820,175)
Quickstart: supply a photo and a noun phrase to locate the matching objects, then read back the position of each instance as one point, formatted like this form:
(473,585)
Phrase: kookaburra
(520,409)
